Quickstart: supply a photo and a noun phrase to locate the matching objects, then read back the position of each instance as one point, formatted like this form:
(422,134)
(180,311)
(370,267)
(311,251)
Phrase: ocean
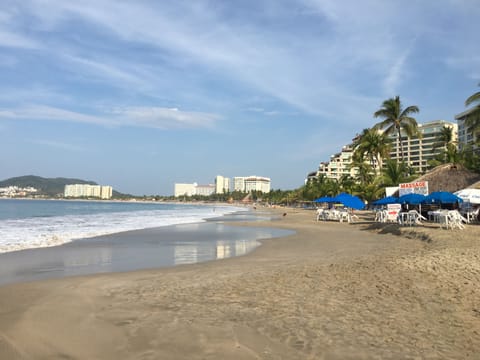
(27,224)
(44,239)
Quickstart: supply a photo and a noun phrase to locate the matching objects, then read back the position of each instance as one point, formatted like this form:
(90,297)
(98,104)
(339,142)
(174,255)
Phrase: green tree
(444,137)
(370,191)
(347,183)
(469,158)
(332,187)
(375,145)
(449,153)
(396,119)
(395,173)
(364,171)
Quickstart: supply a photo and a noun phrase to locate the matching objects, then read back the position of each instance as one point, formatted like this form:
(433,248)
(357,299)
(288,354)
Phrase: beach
(330,291)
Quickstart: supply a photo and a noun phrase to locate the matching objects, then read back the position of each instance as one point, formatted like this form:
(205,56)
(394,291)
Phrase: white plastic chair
(381,216)
(456,220)
(414,218)
(452,219)
(319,214)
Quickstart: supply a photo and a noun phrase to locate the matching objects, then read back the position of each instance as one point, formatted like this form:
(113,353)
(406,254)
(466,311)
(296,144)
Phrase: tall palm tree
(395,173)
(347,183)
(373,144)
(364,171)
(445,141)
(396,119)
(473,119)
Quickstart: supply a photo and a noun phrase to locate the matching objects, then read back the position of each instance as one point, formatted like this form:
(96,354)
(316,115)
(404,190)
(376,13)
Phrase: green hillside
(45,186)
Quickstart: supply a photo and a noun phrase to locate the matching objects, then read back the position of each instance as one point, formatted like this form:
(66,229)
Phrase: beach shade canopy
(386,200)
(350,201)
(326,199)
(469,195)
(412,199)
(442,197)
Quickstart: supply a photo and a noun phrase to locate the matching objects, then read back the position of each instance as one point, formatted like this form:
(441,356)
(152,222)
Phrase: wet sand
(330,291)
(140,249)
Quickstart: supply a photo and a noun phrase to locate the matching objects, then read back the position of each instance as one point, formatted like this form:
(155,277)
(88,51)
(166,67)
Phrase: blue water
(103,242)
(26,224)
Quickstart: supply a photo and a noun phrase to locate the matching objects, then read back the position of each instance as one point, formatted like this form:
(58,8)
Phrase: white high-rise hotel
(86,190)
(251,183)
(222,186)
(417,151)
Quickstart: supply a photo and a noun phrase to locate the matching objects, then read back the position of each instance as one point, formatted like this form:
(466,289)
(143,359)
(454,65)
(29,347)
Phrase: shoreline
(332,291)
(149,248)
(41,234)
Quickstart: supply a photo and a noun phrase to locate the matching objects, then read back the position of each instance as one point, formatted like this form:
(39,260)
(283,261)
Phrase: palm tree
(396,119)
(373,144)
(347,183)
(445,141)
(370,191)
(444,137)
(395,173)
(473,118)
(364,173)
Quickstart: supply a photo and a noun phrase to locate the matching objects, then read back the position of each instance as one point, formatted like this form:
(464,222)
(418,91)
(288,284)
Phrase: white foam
(19,234)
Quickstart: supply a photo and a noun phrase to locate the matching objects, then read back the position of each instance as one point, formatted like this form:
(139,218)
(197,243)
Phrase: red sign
(418,187)
(418,184)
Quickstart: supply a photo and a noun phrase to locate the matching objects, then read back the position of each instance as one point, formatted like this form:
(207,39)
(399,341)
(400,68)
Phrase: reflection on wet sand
(135,250)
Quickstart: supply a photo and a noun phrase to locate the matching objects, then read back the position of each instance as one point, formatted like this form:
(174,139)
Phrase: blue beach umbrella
(412,199)
(386,200)
(442,197)
(350,201)
(324,199)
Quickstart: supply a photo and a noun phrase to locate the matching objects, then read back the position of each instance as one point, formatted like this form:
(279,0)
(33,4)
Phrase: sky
(140,95)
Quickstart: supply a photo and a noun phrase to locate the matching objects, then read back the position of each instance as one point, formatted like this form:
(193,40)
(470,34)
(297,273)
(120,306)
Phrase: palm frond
(409,110)
(475,98)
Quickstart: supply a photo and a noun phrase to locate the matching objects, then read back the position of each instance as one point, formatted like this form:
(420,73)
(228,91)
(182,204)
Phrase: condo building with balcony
(340,164)
(252,183)
(222,184)
(205,190)
(418,150)
(181,189)
(466,138)
(88,191)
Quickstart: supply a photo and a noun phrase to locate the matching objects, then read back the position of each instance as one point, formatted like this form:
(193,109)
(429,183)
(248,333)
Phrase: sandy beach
(330,291)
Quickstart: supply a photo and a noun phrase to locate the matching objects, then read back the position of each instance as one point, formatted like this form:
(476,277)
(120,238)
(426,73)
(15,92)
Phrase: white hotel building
(417,151)
(193,189)
(86,190)
(466,137)
(251,183)
(222,186)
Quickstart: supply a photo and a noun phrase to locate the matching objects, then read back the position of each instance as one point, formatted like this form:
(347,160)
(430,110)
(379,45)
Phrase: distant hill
(45,186)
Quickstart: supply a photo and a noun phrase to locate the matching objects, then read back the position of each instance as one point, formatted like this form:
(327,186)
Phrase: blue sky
(142,94)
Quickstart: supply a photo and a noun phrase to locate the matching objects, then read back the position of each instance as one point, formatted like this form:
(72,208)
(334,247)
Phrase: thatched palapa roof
(449,177)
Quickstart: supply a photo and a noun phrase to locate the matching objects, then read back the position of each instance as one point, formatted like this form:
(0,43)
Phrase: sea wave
(46,231)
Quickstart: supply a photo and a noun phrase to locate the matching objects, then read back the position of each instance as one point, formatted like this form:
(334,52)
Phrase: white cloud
(469,64)
(41,112)
(396,74)
(103,70)
(36,93)
(337,50)
(150,117)
(9,39)
(58,145)
(164,118)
